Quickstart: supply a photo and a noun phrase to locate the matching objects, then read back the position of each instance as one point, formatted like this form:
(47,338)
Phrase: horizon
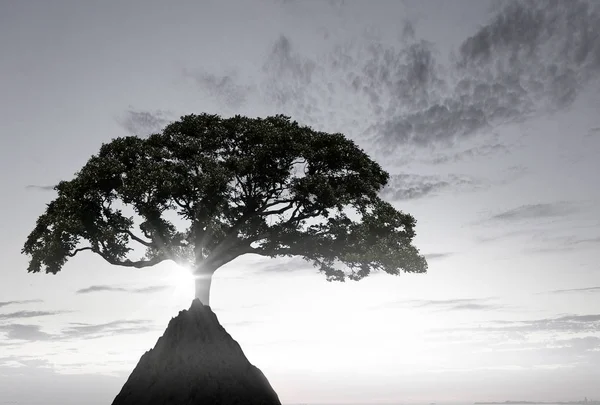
(484,113)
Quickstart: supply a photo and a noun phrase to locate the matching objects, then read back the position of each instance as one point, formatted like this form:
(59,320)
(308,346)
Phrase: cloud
(25,332)
(414,186)
(150,289)
(28,314)
(560,244)
(461,304)
(457,304)
(563,324)
(140,290)
(470,153)
(79,330)
(279,265)
(437,256)
(53,387)
(534,211)
(99,288)
(572,290)
(5,303)
(530,58)
(40,188)
(568,340)
(143,123)
(226,88)
(283,65)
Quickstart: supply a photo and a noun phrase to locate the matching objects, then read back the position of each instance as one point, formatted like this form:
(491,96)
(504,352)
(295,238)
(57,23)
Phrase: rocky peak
(196,362)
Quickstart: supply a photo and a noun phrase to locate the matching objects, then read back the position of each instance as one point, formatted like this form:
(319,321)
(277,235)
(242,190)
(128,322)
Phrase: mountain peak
(196,362)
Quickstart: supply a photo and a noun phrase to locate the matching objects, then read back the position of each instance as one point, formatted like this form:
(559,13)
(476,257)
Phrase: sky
(484,113)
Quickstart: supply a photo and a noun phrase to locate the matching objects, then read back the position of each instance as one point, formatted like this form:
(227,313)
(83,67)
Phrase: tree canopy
(239,185)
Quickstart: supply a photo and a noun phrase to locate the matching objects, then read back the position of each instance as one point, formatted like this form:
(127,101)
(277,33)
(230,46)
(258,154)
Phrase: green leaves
(244,185)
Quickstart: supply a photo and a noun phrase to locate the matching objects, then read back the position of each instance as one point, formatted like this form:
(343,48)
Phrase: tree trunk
(203,280)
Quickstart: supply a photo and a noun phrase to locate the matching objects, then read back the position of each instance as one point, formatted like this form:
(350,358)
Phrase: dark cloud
(40,188)
(283,65)
(534,211)
(25,332)
(413,186)
(18,302)
(530,58)
(143,123)
(140,290)
(28,314)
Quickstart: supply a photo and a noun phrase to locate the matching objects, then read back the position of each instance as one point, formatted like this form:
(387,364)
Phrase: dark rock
(196,362)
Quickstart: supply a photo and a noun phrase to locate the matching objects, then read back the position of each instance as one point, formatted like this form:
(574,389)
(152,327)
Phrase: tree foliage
(240,185)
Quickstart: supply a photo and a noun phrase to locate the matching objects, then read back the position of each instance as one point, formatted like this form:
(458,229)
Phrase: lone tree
(234,186)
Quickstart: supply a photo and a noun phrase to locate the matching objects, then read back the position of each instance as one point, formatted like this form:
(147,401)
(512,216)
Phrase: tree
(266,186)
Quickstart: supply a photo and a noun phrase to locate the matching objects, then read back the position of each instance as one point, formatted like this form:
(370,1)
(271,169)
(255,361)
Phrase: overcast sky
(486,115)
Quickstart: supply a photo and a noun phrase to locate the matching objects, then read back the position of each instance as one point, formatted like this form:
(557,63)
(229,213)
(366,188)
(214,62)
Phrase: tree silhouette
(208,190)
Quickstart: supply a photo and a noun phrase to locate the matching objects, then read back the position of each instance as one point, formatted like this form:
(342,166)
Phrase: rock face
(196,362)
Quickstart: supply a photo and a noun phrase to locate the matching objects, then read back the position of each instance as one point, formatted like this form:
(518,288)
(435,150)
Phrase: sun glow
(182,279)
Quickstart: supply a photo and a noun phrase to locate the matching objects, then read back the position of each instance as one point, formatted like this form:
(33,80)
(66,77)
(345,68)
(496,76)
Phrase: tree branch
(221,260)
(138,239)
(73,253)
(126,263)
(139,264)
(279,211)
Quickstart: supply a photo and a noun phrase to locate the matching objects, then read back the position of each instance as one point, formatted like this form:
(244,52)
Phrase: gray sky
(485,114)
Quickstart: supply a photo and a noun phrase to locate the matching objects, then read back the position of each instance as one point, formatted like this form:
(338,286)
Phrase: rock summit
(196,362)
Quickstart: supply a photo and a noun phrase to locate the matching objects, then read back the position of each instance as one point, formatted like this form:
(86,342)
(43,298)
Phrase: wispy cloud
(109,288)
(565,324)
(279,266)
(534,211)
(470,153)
(437,256)
(79,330)
(143,123)
(226,88)
(18,331)
(28,314)
(25,332)
(561,244)
(18,302)
(40,188)
(459,304)
(150,289)
(576,290)
(414,186)
(482,304)
(99,288)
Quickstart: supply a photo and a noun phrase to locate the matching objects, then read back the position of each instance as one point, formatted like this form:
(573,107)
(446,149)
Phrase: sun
(182,279)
